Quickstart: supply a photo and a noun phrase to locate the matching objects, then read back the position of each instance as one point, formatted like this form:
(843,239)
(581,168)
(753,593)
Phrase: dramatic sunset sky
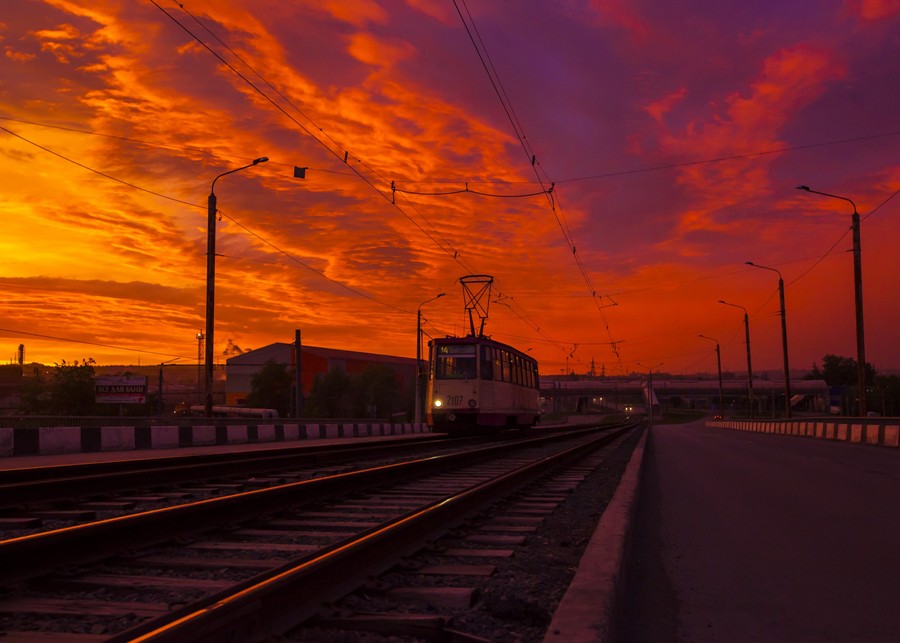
(611,163)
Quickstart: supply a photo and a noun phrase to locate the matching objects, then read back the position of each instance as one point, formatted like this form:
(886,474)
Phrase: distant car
(717,416)
(629,409)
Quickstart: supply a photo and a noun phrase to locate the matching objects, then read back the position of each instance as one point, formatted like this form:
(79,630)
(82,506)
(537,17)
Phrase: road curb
(588,610)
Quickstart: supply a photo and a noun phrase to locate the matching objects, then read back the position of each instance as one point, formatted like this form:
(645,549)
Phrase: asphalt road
(750,537)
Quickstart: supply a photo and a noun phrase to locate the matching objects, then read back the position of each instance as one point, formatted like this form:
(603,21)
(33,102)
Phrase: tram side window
(504,358)
(487,363)
(498,366)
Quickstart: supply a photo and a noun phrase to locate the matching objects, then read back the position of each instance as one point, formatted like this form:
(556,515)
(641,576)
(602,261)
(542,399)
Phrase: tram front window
(455,362)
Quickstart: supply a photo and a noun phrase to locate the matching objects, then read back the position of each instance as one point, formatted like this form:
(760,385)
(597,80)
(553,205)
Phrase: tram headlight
(438,404)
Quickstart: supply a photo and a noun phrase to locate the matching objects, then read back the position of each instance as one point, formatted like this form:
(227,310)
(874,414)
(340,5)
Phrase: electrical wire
(442,244)
(555,205)
(81,341)
(219,211)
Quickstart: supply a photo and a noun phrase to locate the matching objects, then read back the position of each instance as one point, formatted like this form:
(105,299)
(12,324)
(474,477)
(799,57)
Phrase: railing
(93,422)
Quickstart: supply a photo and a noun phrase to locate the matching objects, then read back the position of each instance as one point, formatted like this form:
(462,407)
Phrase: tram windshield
(455,361)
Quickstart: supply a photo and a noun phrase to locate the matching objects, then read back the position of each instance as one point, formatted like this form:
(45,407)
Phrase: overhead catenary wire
(436,238)
(342,155)
(592,177)
(89,343)
(559,344)
(220,211)
(555,205)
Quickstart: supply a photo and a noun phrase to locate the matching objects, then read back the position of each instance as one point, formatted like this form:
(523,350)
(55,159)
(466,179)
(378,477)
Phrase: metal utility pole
(211,211)
(857,287)
(749,365)
(784,341)
(200,338)
(419,373)
(719,367)
(298,375)
(649,392)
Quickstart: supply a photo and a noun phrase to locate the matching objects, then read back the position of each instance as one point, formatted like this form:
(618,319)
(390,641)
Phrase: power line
(730,157)
(442,243)
(220,211)
(445,246)
(82,341)
(610,174)
(555,206)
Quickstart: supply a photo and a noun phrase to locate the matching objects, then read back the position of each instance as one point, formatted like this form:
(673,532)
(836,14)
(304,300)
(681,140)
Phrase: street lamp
(749,367)
(719,367)
(419,356)
(784,342)
(211,281)
(160,396)
(650,391)
(200,338)
(857,285)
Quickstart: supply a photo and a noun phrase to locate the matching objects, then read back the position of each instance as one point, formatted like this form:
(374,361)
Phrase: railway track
(46,498)
(259,562)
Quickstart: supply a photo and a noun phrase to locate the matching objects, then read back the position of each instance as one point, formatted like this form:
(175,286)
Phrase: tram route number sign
(120,389)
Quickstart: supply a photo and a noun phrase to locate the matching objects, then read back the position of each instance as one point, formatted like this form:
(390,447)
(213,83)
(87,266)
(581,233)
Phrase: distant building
(314,361)
(10,387)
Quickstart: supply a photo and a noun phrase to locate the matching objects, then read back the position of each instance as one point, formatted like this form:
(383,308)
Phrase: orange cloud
(379,52)
(18,56)
(790,79)
(873,9)
(660,108)
(620,13)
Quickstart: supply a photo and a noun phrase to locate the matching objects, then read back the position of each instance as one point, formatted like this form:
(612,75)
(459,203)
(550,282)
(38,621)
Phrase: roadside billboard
(120,389)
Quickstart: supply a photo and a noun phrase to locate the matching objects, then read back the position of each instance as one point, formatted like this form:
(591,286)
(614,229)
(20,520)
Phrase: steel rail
(33,555)
(272,603)
(40,484)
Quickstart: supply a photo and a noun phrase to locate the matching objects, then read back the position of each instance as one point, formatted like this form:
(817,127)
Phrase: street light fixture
(749,366)
(211,281)
(419,356)
(857,285)
(784,341)
(719,367)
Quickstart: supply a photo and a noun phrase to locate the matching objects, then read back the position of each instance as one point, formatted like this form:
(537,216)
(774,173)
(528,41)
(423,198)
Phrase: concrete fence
(856,430)
(73,439)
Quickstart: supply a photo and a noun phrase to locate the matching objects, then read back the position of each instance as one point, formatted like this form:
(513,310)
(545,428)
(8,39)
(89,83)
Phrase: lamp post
(857,285)
(160,396)
(200,338)
(749,366)
(649,391)
(211,281)
(784,342)
(719,367)
(419,356)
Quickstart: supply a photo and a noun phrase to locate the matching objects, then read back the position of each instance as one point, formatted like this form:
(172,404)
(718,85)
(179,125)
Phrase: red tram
(476,384)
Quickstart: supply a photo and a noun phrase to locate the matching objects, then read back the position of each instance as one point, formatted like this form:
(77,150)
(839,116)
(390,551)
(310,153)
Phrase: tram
(476,384)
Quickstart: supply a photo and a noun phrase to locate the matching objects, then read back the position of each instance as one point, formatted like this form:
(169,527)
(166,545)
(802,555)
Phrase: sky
(611,164)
